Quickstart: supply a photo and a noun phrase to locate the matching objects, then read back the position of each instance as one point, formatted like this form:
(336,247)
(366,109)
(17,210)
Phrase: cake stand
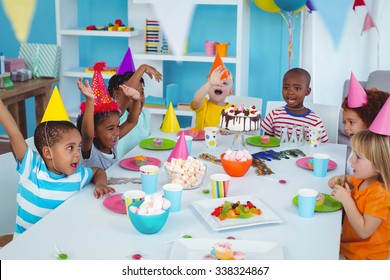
(239,142)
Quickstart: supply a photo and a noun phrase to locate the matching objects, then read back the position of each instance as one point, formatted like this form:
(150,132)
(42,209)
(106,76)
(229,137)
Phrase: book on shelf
(183,106)
(154,102)
(106,70)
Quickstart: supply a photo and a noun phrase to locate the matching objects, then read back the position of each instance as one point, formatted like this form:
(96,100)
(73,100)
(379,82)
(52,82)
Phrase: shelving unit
(69,32)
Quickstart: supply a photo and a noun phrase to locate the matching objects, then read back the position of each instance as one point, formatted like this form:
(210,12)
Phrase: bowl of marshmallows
(236,163)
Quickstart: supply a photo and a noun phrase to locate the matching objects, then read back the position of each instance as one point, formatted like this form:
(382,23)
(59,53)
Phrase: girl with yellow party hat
(53,174)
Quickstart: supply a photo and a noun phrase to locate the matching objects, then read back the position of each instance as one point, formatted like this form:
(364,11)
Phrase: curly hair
(49,133)
(376,148)
(368,112)
(117,80)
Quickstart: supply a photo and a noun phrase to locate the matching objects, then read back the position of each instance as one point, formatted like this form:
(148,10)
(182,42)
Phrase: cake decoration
(240,119)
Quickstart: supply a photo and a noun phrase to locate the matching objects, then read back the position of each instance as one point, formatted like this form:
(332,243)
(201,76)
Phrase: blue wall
(268,45)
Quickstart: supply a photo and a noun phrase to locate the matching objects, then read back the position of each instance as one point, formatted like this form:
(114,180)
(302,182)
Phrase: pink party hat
(180,150)
(357,97)
(127,64)
(381,124)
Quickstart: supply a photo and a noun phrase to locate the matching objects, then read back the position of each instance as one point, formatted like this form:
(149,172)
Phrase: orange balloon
(267,5)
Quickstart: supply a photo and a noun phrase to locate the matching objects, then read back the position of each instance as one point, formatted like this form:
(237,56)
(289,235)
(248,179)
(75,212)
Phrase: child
(99,125)
(366,225)
(356,119)
(49,178)
(296,84)
(208,111)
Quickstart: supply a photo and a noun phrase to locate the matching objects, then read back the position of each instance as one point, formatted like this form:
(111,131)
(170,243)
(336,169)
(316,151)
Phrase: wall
(268,45)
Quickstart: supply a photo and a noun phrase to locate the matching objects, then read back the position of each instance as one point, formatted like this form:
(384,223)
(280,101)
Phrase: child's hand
(152,72)
(335,180)
(102,190)
(215,77)
(130,92)
(341,193)
(85,89)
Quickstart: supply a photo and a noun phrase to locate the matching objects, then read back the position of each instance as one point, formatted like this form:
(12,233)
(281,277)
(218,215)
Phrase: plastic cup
(320,164)
(315,134)
(132,196)
(306,202)
(210,48)
(149,177)
(173,193)
(220,185)
(211,136)
(188,142)
(222,48)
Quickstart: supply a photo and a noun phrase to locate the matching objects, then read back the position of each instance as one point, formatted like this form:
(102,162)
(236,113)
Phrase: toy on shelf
(117,26)
(106,70)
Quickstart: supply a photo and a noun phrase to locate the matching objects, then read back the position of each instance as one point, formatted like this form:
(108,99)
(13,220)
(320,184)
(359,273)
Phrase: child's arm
(364,225)
(100,179)
(134,80)
(213,80)
(87,126)
(18,143)
(132,118)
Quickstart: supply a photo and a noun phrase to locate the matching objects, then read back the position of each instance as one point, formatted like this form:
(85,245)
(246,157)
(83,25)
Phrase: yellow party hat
(170,122)
(55,110)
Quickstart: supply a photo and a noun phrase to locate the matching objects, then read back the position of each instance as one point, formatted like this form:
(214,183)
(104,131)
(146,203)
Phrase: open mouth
(74,165)
(218,92)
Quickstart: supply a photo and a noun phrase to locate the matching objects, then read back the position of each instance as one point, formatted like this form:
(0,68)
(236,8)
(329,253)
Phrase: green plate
(166,145)
(255,141)
(329,205)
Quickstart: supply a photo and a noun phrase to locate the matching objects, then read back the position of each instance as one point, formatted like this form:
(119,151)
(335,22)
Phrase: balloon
(310,6)
(290,5)
(267,5)
(299,10)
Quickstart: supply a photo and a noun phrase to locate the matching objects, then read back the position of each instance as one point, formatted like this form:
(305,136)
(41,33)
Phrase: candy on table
(154,204)
(235,210)
(189,172)
(210,158)
(240,155)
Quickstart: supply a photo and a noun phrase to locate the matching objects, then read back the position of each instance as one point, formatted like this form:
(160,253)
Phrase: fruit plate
(329,205)
(129,163)
(255,141)
(206,207)
(197,248)
(166,145)
(303,162)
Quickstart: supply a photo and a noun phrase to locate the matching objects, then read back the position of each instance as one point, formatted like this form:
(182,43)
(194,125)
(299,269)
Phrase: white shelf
(78,32)
(198,2)
(78,72)
(191,57)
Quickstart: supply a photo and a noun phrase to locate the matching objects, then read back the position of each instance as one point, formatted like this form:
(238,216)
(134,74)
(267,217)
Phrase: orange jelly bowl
(235,168)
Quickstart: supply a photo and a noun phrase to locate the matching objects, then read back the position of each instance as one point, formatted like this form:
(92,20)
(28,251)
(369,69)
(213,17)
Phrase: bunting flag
(358,3)
(20,14)
(368,23)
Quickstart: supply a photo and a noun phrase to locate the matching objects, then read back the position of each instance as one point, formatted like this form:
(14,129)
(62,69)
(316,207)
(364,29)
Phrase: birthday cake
(240,119)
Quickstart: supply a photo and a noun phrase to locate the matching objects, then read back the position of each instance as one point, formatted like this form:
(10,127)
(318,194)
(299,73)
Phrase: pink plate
(199,136)
(302,162)
(115,203)
(129,163)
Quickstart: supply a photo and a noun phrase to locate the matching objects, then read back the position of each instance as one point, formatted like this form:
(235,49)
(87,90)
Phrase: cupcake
(209,257)
(157,142)
(193,132)
(140,160)
(320,199)
(223,251)
(238,255)
(310,163)
(264,139)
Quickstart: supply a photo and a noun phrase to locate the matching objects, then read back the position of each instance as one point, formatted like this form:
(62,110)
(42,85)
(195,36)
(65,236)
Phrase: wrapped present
(42,59)
(14,64)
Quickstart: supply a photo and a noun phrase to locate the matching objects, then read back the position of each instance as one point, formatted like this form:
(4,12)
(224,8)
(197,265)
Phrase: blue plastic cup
(173,192)
(149,178)
(306,202)
(188,142)
(320,164)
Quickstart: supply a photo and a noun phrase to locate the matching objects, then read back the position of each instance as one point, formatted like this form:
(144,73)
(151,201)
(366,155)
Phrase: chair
(328,113)
(9,178)
(246,100)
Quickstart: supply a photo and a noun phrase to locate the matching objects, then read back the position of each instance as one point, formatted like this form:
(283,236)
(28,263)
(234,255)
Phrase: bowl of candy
(189,173)
(236,163)
(150,215)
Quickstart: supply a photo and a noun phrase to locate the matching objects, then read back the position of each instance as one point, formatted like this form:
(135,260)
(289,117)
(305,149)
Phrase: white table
(85,229)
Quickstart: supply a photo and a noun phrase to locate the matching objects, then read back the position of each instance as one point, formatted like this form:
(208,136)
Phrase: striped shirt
(281,117)
(40,190)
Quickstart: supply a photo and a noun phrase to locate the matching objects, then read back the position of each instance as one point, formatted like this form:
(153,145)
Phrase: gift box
(21,75)
(14,64)
(42,59)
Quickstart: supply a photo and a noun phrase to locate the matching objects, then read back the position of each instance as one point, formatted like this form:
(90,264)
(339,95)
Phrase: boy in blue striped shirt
(52,175)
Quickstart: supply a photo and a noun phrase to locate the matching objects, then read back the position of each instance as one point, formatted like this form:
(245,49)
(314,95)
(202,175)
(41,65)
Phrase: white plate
(206,207)
(196,248)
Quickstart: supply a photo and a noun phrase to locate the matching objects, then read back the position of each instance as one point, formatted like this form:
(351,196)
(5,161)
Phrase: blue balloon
(290,5)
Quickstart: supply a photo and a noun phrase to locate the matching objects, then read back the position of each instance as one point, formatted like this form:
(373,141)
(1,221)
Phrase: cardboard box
(42,59)
(14,64)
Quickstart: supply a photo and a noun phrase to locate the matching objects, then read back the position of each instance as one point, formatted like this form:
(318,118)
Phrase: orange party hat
(218,62)
(381,124)
(55,110)
(357,97)
(180,150)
